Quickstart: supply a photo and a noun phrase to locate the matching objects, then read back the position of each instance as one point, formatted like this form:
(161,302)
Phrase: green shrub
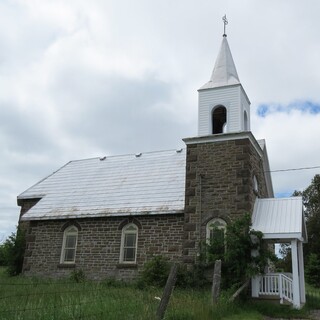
(184,277)
(155,272)
(193,278)
(115,283)
(78,276)
(235,251)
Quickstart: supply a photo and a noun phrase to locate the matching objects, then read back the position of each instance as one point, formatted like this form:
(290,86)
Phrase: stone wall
(219,184)
(98,249)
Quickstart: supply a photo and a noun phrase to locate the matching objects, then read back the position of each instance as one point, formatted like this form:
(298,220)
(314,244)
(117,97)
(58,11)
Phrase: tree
(12,252)
(311,202)
(284,262)
(312,270)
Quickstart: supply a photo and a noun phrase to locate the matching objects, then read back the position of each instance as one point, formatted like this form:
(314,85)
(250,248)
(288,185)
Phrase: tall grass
(27,298)
(33,298)
(24,298)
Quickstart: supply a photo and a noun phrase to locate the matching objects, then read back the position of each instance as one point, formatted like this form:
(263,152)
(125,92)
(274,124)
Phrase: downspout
(200,199)
(200,210)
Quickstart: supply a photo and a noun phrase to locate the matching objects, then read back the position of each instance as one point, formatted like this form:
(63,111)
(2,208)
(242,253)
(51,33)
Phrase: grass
(312,297)
(33,298)
(22,298)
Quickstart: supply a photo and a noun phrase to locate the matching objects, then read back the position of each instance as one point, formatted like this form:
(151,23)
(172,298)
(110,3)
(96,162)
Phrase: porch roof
(280,218)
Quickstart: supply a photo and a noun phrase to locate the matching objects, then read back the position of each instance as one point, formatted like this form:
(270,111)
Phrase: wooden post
(301,273)
(167,292)
(295,275)
(216,281)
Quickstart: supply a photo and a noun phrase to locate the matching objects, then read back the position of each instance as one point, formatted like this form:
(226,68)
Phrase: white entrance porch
(282,220)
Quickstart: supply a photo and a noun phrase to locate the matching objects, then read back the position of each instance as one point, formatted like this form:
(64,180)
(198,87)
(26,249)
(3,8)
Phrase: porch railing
(276,284)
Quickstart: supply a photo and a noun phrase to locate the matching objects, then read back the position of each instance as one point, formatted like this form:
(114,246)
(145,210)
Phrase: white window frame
(70,231)
(125,231)
(222,226)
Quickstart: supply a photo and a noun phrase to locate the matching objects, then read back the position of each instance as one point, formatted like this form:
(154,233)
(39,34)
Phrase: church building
(107,216)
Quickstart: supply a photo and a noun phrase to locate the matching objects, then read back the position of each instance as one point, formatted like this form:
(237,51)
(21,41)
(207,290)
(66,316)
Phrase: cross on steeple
(225,22)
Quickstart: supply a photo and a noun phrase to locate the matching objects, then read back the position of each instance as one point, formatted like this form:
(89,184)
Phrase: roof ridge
(128,154)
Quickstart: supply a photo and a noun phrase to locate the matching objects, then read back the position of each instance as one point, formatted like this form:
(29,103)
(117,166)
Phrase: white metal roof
(149,183)
(280,218)
(224,72)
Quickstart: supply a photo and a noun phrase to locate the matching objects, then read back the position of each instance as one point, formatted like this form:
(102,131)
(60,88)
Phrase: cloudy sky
(81,79)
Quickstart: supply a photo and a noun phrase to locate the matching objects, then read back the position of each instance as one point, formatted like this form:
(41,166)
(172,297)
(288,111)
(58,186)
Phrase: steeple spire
(224,72)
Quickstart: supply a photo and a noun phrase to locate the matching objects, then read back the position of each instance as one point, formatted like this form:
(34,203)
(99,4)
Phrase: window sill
(127,266)
(66,265)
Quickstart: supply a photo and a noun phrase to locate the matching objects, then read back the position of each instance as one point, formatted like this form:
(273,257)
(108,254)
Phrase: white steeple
(224,72)
(223,104)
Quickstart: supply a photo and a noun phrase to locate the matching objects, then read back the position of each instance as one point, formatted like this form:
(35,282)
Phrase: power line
(295,169)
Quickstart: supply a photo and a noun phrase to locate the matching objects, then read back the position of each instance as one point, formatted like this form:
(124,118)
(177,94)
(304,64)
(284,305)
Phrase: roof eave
(225,137)
(98,215)
(283,236)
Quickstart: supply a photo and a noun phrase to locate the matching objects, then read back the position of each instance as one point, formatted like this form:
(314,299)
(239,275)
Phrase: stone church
(107,216)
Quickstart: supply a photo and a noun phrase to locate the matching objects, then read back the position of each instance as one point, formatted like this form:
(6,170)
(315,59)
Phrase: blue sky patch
(264,110)
(286,194)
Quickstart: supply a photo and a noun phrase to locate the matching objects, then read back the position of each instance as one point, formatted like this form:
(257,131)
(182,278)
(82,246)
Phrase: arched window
(219,120)
(216,228)
(129,241)
(69,245)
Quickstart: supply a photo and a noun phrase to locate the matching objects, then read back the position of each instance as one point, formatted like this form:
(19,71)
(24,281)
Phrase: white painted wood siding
(231,97)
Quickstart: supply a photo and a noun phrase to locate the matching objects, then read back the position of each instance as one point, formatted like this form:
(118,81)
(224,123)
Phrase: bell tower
(226,167)
(223,104)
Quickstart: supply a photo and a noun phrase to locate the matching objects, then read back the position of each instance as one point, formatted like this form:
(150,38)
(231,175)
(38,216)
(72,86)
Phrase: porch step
(269,297)
(272,299)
